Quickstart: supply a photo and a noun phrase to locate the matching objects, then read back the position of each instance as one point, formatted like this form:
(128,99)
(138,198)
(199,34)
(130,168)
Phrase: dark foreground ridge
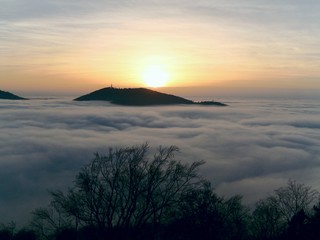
(10,96)
(139,97)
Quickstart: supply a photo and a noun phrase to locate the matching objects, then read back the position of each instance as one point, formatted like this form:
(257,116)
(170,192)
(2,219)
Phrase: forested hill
(10,96)
(138,97)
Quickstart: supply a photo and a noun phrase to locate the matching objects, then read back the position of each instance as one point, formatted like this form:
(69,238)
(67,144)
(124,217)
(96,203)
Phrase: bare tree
(293,198)
(236,217)
(267,221)
(127,190)
(202,214)
(272,216)
(7,230)
(48,221)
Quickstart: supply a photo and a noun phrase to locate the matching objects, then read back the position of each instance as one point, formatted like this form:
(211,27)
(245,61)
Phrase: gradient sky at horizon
(79,45)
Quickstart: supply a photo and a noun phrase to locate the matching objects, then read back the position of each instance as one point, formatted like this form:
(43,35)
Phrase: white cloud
(245,145)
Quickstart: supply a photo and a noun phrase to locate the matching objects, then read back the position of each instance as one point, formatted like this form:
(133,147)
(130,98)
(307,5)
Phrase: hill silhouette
(10,96)
(138,97)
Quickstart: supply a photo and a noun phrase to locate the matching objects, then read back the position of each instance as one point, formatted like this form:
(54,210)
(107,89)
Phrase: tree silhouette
(123,192)
(201,214)
(297,226)
(284,212)
(293,198)
(7,231)
(267,221)
(25,234)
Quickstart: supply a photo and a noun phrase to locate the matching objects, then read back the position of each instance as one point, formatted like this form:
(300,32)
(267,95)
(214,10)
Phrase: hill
(10,96)
(138,97)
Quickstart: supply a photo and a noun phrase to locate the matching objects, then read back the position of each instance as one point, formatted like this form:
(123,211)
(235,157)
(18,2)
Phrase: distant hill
(138,97)
(10,96)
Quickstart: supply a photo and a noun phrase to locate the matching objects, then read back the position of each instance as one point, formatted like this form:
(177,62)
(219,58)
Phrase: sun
(155,76)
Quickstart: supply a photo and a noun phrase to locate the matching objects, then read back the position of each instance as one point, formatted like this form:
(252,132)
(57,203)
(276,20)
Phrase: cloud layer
(250,148)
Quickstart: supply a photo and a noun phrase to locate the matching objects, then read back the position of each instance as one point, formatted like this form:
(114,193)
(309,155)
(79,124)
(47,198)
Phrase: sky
(250,147)
(76,46)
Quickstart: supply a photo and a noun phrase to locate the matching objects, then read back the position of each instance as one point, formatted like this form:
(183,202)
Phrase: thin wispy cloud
(255,41)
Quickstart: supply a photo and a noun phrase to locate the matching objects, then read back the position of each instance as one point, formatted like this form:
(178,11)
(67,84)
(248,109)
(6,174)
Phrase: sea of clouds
(250,147)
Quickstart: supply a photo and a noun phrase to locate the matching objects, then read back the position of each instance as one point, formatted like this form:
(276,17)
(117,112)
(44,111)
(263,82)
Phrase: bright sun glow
(155,76)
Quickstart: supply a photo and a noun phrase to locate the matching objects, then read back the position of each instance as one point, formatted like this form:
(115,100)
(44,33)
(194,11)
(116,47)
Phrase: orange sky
(76,47)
